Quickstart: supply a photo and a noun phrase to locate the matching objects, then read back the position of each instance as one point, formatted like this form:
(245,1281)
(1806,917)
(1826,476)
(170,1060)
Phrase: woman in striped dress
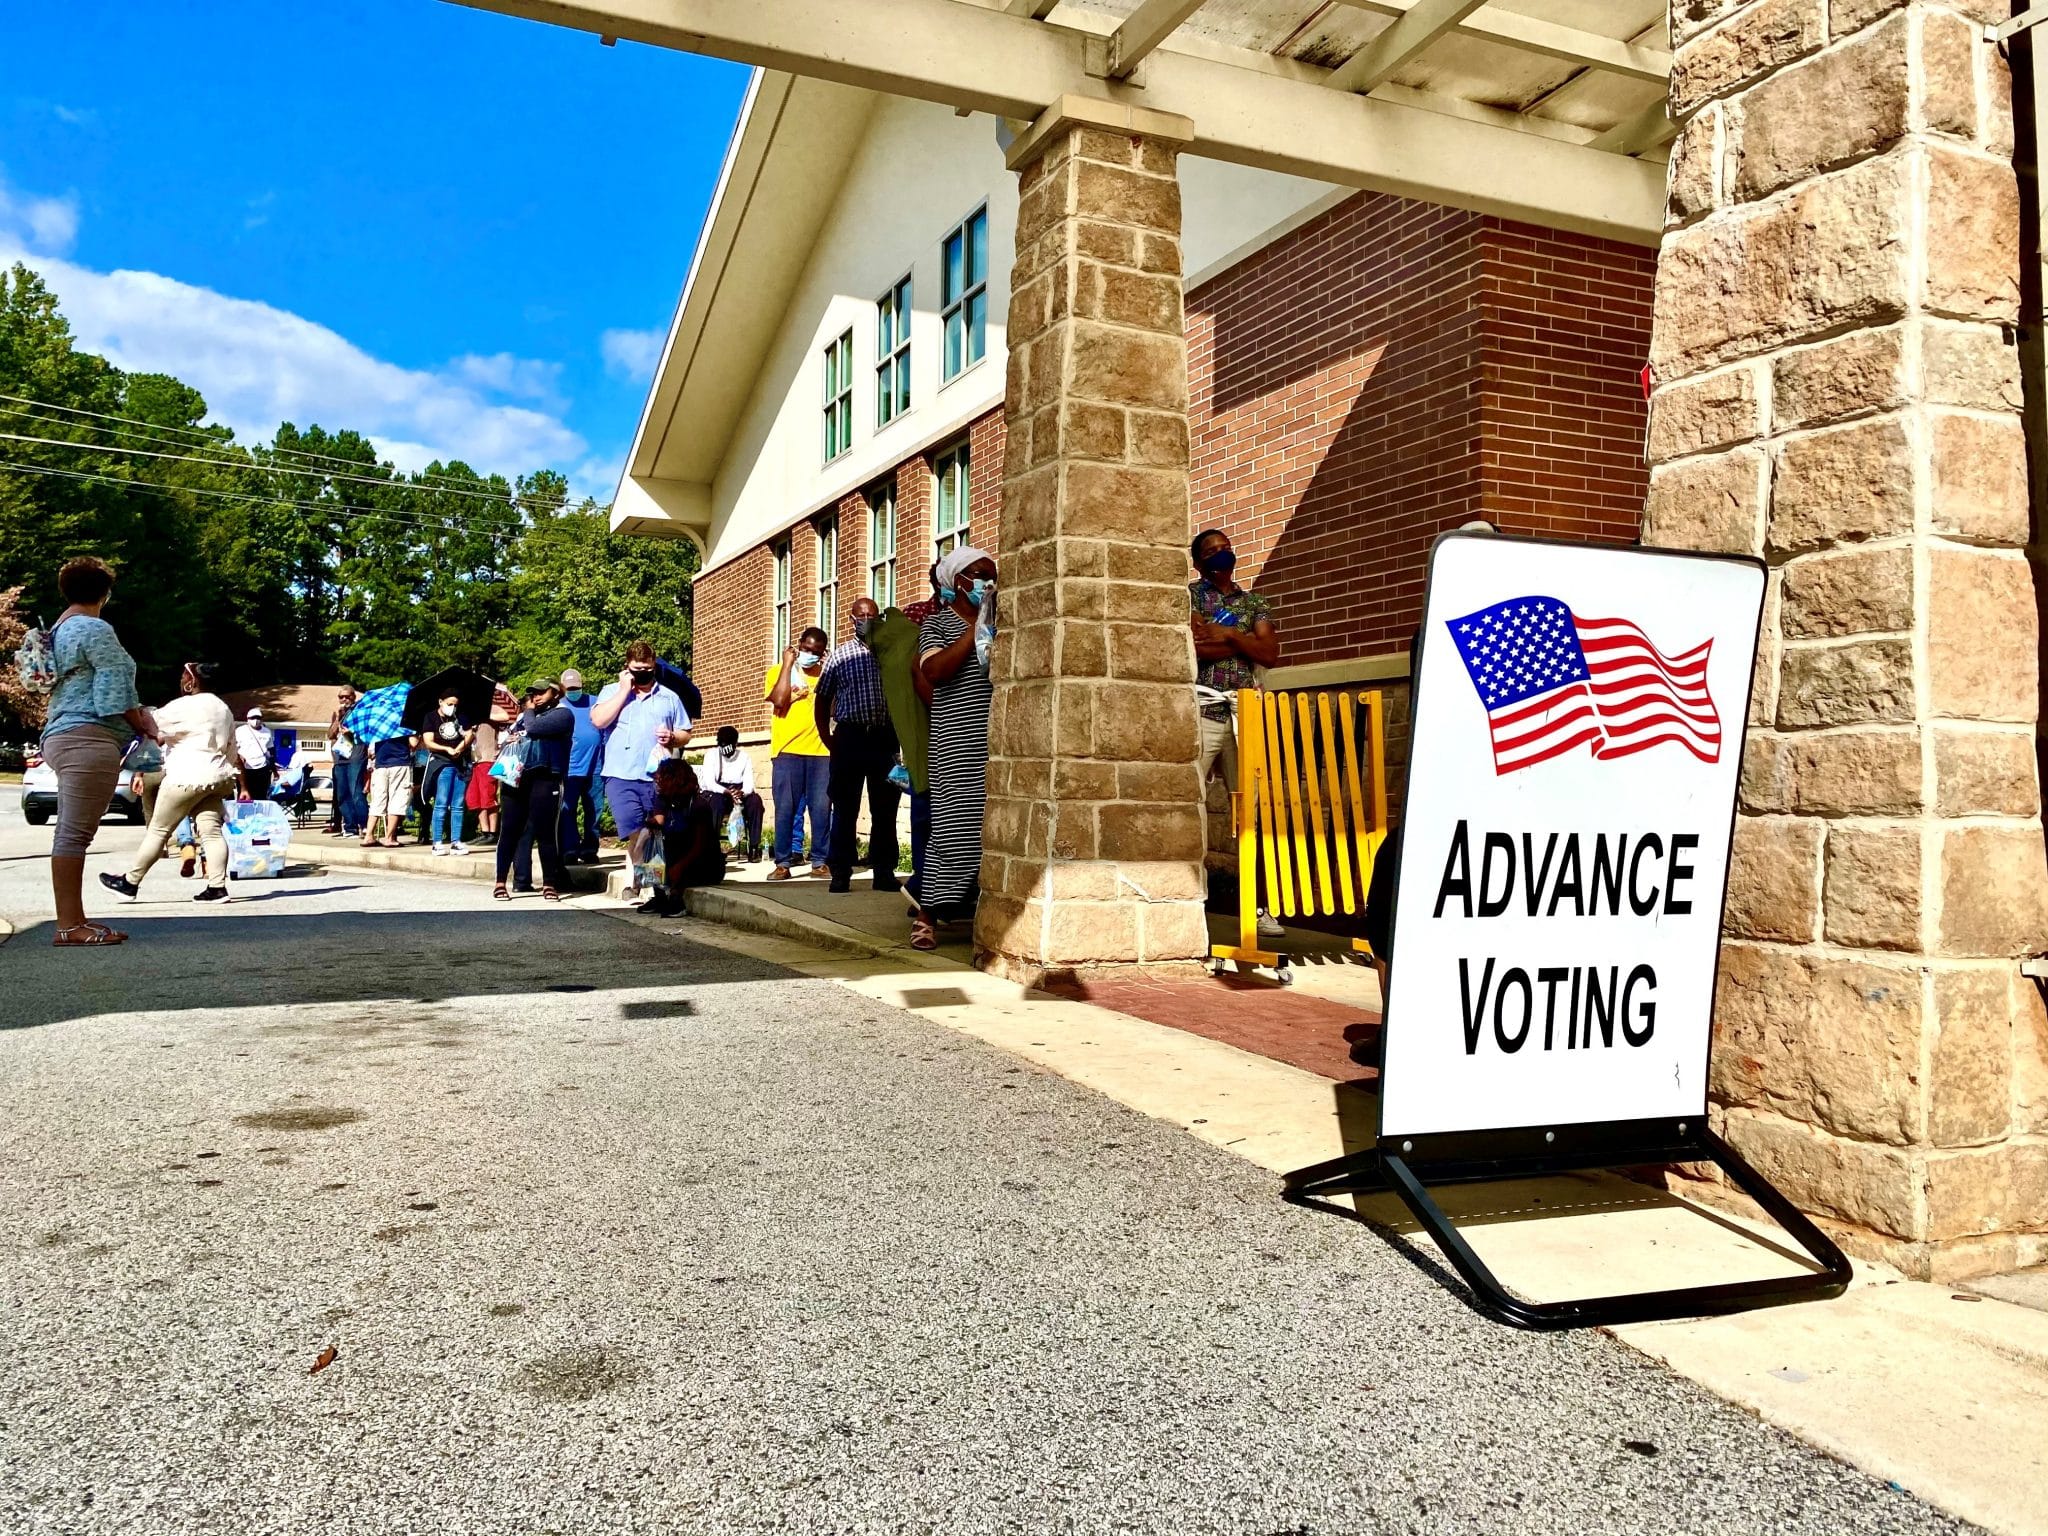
(944,889)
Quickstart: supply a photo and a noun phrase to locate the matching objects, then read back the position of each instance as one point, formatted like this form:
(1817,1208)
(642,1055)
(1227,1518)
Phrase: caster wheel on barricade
(1284,973)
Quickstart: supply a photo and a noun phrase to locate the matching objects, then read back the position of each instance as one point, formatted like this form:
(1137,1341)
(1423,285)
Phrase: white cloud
(46,224)
(631,354)
(259,365)
(523,378)
(77,117)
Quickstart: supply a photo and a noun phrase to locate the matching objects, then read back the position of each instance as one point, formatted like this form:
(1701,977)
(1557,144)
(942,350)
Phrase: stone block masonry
(1837,390)
(1093,845)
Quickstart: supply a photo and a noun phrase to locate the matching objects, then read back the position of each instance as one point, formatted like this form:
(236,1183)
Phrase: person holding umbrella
(378,720)
(448,775)
(531,811)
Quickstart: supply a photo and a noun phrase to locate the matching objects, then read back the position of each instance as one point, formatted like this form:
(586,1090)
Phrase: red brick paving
(1312,1033)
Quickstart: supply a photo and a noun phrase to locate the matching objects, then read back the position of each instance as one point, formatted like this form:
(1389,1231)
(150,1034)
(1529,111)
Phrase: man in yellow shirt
(800,766)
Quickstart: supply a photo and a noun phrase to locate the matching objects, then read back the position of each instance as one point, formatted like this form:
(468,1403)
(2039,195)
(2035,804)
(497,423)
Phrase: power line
(506,500)
(320,508)
(212,441)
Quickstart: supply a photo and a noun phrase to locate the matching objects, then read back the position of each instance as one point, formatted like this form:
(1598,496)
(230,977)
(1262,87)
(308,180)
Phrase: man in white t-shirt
(257,751)
(727,778)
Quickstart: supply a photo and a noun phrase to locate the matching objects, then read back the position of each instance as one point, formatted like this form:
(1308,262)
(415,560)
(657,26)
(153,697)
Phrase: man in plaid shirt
(853,721)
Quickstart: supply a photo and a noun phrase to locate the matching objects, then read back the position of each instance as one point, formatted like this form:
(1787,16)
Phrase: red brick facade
(1392,369)
(1389,370)
(733,618)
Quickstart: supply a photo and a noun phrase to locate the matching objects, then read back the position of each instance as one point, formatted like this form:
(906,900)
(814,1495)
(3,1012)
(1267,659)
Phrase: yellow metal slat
(1340,845)
(1297,849)
(1360,828)
(1273,803)
(1307,809)
(1318,835)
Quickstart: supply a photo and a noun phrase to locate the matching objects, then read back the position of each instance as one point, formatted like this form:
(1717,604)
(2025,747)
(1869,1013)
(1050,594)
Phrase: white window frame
(783,614)
(838,379)
(827,551)
(882,529)
(892,354)
(972,297)
(956,463)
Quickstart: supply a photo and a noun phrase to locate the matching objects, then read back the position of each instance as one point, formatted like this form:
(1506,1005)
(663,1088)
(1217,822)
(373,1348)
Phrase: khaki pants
(87,762)
(206,807)
(1218,743)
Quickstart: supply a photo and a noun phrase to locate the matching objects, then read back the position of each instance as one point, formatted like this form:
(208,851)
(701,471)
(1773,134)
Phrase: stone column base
(1076,915)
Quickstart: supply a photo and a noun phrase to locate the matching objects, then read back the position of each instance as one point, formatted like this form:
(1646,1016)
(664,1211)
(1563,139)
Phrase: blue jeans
(578,793)
(446,819)
(801,785)
(351,805)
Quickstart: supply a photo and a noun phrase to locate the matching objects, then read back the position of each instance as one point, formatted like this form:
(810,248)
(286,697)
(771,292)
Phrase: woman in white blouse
(201,772)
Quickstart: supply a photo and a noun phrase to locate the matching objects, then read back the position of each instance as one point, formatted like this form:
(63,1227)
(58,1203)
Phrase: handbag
(514,757)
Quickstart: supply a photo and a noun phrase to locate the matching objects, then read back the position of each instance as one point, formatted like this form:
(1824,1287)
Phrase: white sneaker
(440,850)
(1269,926)
(458,846)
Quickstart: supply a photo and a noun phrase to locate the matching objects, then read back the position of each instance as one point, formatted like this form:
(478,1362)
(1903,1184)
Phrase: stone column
(1837,389)
(1093,846)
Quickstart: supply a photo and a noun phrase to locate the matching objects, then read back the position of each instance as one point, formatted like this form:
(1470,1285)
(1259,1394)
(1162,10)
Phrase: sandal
(88,933)
(922,934)
(549,893)
(499,893)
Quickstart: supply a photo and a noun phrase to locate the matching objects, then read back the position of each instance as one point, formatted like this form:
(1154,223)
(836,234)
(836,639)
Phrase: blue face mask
(947,595)
(982,587)
(808,660)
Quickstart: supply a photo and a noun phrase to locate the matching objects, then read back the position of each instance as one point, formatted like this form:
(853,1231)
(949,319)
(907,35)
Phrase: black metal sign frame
(1409,1168)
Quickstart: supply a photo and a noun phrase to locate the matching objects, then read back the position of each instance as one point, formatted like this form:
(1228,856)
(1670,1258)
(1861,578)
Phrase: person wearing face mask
(946,887)
(645,721)
(579,798)
(533,806)
(799,766)
(1234,638)
(728,780)
(447,783)
(853,721)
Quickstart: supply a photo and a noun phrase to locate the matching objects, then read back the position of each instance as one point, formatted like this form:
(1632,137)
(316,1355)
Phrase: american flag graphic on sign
(1552,681)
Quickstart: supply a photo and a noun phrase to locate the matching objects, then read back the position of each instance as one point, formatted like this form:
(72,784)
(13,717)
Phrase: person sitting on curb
(688,823)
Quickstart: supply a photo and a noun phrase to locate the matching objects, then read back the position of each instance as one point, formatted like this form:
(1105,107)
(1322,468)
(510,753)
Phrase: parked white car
(39,797)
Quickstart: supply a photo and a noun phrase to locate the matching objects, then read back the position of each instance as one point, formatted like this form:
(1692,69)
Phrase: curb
(6,930)
(758,914)
(400,861)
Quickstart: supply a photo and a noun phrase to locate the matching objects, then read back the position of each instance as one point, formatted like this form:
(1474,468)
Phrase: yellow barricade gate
(1310,811)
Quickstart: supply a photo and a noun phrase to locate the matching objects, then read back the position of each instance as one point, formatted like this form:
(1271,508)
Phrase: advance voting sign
(1579,716)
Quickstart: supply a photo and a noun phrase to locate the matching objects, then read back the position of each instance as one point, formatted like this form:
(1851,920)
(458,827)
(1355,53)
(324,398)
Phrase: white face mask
(447,711)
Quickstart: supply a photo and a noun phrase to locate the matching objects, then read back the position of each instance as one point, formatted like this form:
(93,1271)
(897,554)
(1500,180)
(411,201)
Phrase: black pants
(862,756)
(258,780)
(530,812)
(719,803)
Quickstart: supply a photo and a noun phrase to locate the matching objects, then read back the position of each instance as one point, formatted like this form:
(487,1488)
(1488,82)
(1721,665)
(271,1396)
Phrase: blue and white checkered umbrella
(379,715)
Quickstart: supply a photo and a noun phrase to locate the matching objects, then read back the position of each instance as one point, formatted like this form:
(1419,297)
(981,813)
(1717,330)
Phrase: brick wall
(735,604)
(1392,369)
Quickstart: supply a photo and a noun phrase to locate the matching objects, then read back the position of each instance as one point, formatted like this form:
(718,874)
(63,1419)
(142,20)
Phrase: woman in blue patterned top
(94,714)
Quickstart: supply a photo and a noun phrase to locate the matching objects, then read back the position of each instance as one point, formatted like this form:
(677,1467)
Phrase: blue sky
(458,232)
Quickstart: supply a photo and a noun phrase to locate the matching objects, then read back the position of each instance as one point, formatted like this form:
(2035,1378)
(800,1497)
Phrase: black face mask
(1218,565)
(642,679)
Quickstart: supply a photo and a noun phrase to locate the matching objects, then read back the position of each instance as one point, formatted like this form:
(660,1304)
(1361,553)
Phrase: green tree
(581,593)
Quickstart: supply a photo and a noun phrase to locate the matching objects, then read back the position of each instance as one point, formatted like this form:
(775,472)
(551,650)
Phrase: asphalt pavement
(610,1231)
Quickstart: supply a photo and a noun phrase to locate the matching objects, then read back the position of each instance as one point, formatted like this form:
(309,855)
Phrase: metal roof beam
(1382,58)
(1033,10)
(987,61)
(1143,30)
(1569,44)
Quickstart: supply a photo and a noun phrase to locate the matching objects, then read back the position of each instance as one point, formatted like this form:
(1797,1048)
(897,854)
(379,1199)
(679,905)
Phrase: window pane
(977,241)
(950,270)
(903,381)
(977,326)
(885,328)
(955,336)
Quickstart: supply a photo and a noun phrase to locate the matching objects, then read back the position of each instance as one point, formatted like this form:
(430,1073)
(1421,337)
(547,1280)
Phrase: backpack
(36,660)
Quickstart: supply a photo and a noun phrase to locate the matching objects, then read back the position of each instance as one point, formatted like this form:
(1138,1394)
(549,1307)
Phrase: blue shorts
(632,802)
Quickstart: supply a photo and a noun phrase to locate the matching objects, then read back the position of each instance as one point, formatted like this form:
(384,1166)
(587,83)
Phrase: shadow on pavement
(212,959)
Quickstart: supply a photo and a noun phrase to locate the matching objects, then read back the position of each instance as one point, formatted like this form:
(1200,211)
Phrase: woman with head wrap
(944,890)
